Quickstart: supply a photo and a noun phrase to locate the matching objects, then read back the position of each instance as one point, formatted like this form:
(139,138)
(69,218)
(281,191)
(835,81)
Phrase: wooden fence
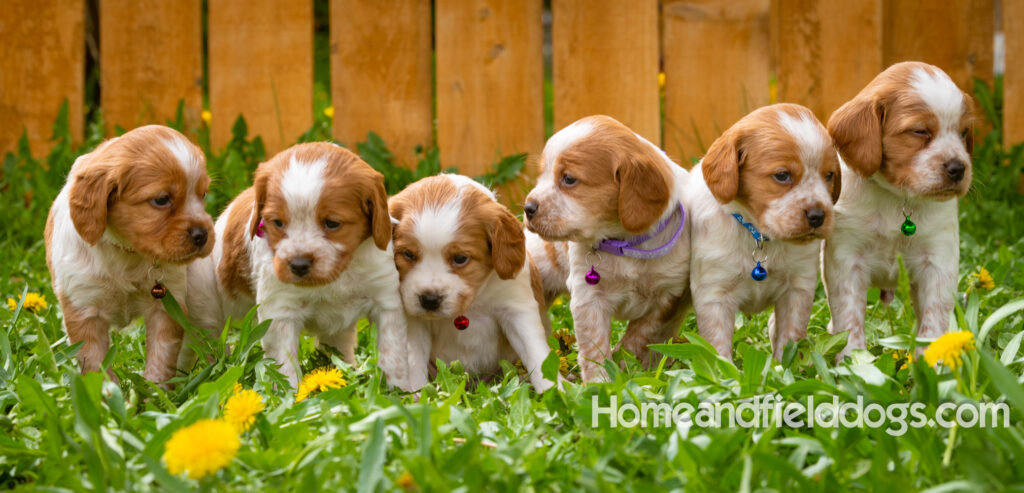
(486,57)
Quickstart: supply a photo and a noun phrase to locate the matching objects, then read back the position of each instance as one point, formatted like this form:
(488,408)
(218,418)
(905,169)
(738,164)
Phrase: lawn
(64,430)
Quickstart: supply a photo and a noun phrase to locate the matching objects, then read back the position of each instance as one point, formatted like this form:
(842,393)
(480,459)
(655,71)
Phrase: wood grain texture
(605,61)
(381,73)
(489,83)
(261,66)
(42,50)
(825,51)
(151,54)
(1013,78)
(717,67)
(956,35)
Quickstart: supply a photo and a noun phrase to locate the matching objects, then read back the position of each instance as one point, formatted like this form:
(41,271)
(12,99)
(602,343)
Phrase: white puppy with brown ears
(120,234)
(616,199)
(906,146)
(470,292)
(765,186)
(310,243)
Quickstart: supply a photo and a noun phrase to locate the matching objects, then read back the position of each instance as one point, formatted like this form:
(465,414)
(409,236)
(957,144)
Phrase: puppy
(310,243)
(616,199)
(552,260)
(120,234)
(766,186)
(905,143)
(470,292)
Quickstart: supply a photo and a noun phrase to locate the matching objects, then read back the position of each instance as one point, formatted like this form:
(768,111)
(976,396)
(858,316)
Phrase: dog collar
(627,248)
(758,273)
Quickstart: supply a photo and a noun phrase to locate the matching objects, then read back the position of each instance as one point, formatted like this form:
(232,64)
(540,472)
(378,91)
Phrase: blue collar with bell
(759,273)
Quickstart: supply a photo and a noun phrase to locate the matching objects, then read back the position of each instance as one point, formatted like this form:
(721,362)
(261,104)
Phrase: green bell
(908,228)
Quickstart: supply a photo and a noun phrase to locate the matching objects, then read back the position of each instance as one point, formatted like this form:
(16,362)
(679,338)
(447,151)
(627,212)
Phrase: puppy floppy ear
(90,196)
(376,205)
(721,167)
(856,130)
(508,243)
(837,184)
(969,141)
(643,191)
(259,186)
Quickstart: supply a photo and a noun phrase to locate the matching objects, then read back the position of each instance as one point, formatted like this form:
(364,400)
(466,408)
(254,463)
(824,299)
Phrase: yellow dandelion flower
(236,389)
(949,349)
(563,364)
(242,408)
(557,302)
(406,482)
(201,448)
(566,338)
(34,302)
(983,279)
(319,380)
(908,355)
(773,91)
(207,116)
(661,80)
(329,112)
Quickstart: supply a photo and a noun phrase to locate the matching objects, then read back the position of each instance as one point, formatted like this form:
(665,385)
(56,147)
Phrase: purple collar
(627,248)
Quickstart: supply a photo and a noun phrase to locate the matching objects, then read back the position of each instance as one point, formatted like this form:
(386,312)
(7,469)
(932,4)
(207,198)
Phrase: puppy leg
(392,346)
(281,342)
(419,354)
(846,288)
(91,327)
(344,341)
(656,327)
(716,322)
(789,322)
(163,343)
(593,324)
(524,330)
(933,287)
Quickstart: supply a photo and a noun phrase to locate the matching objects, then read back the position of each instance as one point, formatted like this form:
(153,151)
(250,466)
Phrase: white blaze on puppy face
(435,228)
(559,215)
(948,142)
(301,186)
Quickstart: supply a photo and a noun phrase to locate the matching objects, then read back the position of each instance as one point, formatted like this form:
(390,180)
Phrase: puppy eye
(331,225)
(161,201)
(782,177)
(963,135)
(829,176)
(279,223)
(460,260)
(568,180)
(921,132)
(409,255)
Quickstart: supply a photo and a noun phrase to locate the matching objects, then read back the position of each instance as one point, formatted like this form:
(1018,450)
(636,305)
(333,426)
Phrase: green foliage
(60,429)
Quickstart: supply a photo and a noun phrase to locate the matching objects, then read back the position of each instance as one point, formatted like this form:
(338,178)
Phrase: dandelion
(908,355)
(207,116)
(34,302)
(406,482)
(242,408)
(319,380)
(201,448)
(982,280)
(949,349)
(565,338)
(563,364)
(661,80)
(236,389)
(329,112)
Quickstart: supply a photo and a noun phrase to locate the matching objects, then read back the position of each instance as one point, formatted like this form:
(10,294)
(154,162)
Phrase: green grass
(62,430)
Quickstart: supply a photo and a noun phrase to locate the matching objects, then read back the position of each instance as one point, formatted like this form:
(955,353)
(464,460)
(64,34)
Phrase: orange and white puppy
(122,230)
(462,260)
(310,243)
(906,144)
(616,199)
(773,174)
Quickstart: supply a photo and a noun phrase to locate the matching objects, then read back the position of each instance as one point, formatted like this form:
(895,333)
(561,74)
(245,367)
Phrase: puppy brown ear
(721,167)
(643,191)
(259,187)
(377,208)
(969,140)
(90,196)
(856,130)
(508,243)
(837,185)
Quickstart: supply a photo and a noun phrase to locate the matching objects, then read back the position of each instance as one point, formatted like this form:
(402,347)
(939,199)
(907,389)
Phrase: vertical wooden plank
(261,66)
(1013,77)
(716,69)
(826,51)
(42,50)
(381,73)
(956,35)
(151,58)
(489,81)
(605,60)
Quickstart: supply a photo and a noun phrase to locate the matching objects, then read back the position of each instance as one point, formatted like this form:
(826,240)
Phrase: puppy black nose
(300,266)
(955,170)
(430,301)
(530,209)
(815,217)
(199,236)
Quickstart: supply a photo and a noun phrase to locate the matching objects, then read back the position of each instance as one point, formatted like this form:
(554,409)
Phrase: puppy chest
(479,347)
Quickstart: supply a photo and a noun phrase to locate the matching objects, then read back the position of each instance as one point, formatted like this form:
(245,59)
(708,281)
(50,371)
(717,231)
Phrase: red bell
(158,291)
(461,322)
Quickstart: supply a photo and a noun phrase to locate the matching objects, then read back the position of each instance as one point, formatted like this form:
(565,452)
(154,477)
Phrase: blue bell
(759,272)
